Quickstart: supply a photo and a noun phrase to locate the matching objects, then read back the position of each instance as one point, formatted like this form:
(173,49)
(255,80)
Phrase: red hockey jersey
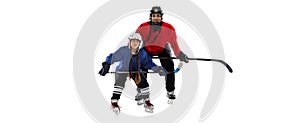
(156,40)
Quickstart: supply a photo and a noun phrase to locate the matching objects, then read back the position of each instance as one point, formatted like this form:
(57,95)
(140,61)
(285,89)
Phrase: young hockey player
(158,35)
(131,59)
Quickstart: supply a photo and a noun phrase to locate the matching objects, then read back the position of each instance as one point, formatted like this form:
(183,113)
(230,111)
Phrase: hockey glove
(105,69)
(160,70)
(183,57)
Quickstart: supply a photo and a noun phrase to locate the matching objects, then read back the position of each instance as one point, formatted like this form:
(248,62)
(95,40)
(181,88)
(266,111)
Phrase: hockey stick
(131,72)
(201,59)
(136,72)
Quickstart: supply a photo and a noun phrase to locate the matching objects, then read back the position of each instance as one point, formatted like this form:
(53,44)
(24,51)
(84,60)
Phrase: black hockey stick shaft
(135,72)
(203,59)
(132,72)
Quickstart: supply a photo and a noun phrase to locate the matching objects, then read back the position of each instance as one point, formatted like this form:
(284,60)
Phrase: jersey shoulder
(145,24)
(165,24)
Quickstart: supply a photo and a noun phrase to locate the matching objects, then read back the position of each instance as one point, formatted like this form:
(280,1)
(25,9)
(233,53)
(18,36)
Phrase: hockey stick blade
(202,59)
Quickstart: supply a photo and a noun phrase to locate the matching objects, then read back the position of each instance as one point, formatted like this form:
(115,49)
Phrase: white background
(260,39)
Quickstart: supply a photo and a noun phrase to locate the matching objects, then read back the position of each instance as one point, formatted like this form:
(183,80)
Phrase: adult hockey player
(131,59)
(158,36)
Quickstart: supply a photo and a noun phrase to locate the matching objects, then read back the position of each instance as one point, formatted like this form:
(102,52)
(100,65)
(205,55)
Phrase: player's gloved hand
(160,70)
(105,68)
(183,57)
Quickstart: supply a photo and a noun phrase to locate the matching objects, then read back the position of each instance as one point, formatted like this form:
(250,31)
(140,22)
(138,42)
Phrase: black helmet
(156,9)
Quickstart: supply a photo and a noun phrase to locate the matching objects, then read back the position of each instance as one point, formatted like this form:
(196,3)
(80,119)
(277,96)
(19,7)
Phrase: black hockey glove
(183,57)
(105,69)
(160,70)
